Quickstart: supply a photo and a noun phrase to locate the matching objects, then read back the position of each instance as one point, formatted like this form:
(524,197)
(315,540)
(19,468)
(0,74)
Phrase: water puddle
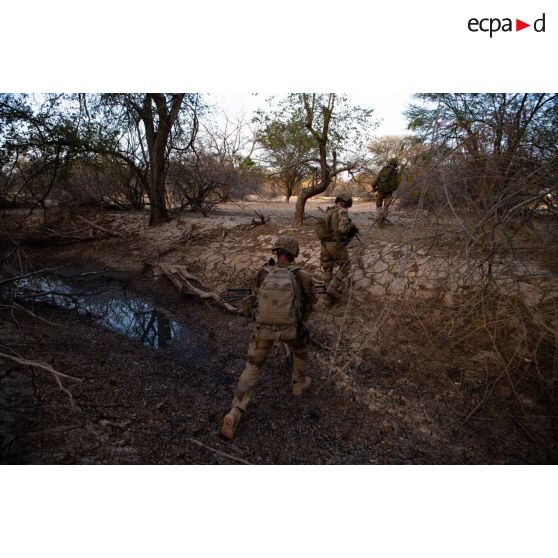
(109,304)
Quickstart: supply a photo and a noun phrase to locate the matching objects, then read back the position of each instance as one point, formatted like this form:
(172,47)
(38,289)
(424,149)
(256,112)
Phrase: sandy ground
(141,405)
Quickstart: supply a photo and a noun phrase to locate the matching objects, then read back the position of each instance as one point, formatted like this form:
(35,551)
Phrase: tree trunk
(299,208)
(327,171)
(157,141)
(288,192)
(306,193)
(159,213)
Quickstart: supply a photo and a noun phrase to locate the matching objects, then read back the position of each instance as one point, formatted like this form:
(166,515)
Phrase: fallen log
(186,283)
(43,366)
(98,227)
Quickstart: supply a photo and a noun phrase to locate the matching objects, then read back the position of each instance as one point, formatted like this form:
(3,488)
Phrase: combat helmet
(344,197)
(288,244)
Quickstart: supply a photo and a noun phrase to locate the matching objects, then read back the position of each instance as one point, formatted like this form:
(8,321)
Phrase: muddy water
(108,303)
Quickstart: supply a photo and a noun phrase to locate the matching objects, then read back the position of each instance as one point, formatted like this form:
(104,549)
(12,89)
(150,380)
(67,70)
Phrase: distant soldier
(282,299)
(385,184)
(335,231)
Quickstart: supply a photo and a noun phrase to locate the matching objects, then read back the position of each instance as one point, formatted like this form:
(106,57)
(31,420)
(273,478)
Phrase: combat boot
(301,386)
(332,293)
(230,422)
(380,216)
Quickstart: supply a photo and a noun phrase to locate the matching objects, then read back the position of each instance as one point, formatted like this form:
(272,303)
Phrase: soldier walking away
(282,299)
(335,231)
(385,184)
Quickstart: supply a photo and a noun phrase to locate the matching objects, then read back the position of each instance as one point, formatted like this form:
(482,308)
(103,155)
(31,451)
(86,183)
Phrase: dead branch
(43,366)
(316,343)
(261,219)
(184,281)
(89,273)
(38,272)
(15,306)
(489,389)
(98,227)
(218,452)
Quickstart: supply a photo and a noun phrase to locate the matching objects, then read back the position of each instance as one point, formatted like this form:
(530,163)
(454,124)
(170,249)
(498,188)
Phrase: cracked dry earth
(163,402)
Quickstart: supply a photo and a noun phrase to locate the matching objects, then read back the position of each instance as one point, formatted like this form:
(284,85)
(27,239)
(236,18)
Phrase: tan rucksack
(279,297)
(323,226)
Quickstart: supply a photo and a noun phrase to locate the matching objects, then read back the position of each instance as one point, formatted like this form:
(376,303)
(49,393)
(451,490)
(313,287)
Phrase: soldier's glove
(353,231)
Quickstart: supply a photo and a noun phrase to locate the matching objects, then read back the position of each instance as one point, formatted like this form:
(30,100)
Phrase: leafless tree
(153,120)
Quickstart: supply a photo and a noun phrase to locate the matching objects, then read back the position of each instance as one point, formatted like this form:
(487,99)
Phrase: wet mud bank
(156,373)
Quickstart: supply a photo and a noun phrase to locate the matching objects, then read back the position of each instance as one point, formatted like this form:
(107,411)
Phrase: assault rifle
(353,232)
(237,294)
(319,286)
(240,293)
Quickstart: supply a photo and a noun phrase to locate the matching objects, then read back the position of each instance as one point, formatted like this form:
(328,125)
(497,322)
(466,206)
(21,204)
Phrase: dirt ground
(138,404)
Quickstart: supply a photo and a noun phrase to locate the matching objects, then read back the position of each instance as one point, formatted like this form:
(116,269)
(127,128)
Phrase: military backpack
(388,180)
(279,297)
(323,226)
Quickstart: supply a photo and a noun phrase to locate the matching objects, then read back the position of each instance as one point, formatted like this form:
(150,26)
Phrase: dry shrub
(472,285)
(202,181)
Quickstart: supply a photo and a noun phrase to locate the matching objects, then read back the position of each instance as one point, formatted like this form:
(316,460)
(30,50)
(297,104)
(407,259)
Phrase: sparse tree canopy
(497,123)
(40,138)
(339,133)
(147,128)
(288,149)
(385,148)
(144,130)
(491,153)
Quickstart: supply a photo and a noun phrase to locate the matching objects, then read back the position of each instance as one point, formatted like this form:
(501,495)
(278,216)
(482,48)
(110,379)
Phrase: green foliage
(42,136)
(288,146)
(322,133)
(286,140)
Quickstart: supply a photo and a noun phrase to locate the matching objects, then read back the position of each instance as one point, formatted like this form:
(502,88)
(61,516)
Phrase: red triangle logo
(519,25)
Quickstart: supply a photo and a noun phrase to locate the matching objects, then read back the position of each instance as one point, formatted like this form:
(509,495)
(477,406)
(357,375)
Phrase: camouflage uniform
(264,336)
(385,184)
(334,251)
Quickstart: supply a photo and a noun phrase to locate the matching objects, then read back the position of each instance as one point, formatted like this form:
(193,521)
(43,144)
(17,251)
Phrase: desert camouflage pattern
(383,199)
(345,197)
(279,296)
(264,336)
(287,243)
(261,342)
(387,180)
(334,253)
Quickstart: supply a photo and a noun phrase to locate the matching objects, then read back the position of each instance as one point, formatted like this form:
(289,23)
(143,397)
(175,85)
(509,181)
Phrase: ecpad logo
(493,25)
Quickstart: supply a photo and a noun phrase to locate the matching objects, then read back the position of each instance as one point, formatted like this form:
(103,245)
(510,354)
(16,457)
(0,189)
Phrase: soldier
(338,231)
(283,296)
(385,184)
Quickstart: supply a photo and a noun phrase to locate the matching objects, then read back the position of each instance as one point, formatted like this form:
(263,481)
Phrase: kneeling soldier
(284,297)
